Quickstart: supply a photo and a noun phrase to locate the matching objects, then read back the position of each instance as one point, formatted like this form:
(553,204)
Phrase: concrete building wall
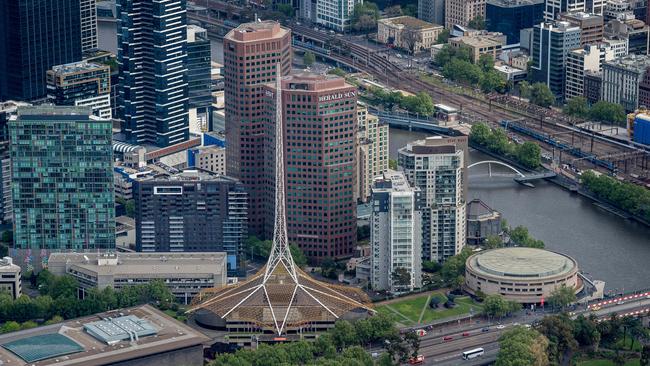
(460,12)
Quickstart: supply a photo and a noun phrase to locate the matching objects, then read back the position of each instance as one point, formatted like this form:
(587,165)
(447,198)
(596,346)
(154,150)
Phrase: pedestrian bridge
(519,177)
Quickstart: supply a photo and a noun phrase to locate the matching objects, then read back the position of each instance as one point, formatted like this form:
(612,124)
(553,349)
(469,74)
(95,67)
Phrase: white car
(501,326)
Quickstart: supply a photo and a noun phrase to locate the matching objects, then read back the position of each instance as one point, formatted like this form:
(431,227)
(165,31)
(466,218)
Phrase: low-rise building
(481,43)
(621,80)
(135,336)
(592,89)
(395,234)
(482,222)
(619,45)
(588,58)
(81,84)
(635,31)
(510,73)
(10,277)
(186,274)
(524,275)
(615,8)
(591,26)
(408,33)
(211,158)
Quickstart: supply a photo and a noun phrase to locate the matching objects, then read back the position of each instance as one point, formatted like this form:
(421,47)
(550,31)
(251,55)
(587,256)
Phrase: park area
(415,309)
(606,363)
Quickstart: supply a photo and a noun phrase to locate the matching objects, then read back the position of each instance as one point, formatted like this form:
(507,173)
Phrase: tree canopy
(528,154)
(627,196)
(522,347)
(364,17)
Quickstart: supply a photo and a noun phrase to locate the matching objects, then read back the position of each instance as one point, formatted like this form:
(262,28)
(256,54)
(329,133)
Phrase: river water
(606,247)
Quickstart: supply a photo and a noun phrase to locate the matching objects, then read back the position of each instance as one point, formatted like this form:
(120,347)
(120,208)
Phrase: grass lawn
(628,345)
(412,308)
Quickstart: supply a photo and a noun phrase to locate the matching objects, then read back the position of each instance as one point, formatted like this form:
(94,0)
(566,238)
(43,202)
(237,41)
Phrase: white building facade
(335,14)
(395,234)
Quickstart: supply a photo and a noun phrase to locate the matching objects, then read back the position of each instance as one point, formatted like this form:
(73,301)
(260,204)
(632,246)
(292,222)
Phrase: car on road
(501,326)
(620,302)
(515,324)
(447,338)
(416,360)
(595,308)
(485,330)
(466,334)
(421,332)
(527,326)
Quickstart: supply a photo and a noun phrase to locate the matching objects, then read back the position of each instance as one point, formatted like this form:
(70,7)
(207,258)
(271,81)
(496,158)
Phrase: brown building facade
(460,12)
(591,26)
(320,120)
(251,53)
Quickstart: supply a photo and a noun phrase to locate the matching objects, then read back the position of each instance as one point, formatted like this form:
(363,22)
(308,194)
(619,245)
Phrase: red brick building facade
(320,119)
(251,53)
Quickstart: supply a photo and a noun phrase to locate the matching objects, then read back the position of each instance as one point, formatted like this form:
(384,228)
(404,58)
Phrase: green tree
(478,23)
(343,335)
(129,206)
(608,112)
(493,241)
(298,256)
(529,154)
(562,296)
(393,11)
(443,36)
(413,341)
(285,9)
(558,329)
(401,277)
(541,95)
(28,325)
(578,107)
(480,133)
(364,17)
(645,355)
(338,72)
(492,81)
(392,164)
(525,89)
(309,58)
(431,266)
(10,326)
(486,62)
(585,331)
(8,236)
(495,306)
(463,71)
(55,319)
(522,347)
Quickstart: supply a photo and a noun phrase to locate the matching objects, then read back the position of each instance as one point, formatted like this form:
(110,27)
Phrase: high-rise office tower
(193,211)
(152,54)
(554,7)
(335,14)
(88,10)
(372,151)
(320,120)
(551,44)
(395,234)
(199,78)
(511,16)
(62,164)
(34,36)
(251,53)
(432,11)
(461,12)
(437,166)
(81,84)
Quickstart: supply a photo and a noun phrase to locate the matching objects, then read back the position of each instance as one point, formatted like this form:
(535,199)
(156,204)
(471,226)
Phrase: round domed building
(524,275)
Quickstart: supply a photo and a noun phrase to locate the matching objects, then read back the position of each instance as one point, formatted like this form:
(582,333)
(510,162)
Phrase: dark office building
(592,86)
(193,211)
(152,54)
(511,16)
(199,78)
(34,36)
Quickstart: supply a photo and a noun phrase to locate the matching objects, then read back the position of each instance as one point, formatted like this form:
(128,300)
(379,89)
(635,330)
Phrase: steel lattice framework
(281,296)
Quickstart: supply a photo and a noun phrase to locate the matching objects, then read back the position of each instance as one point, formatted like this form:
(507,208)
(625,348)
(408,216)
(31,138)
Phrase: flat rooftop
(409,22)
(76,67)
(394,181)
(522,263)
(69,343)
(257,31)
(142,264)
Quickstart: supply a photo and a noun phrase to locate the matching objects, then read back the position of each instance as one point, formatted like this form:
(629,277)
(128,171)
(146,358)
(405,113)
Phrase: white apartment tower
(589,58)
(372,151)
(395,234)
(437,166)
(335,14)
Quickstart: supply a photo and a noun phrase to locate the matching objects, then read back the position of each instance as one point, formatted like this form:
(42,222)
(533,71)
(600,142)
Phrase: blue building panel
(642,131)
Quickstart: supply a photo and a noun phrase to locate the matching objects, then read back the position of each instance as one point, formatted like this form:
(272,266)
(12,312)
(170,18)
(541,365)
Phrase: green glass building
(62,184)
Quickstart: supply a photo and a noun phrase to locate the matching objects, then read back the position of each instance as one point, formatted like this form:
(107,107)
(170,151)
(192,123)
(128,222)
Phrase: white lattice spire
(280,253)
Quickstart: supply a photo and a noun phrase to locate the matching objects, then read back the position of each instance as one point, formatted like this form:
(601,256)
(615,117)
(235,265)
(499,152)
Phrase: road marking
(423,309)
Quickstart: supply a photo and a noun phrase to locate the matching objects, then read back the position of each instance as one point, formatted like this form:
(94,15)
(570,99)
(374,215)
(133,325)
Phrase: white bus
(468,355)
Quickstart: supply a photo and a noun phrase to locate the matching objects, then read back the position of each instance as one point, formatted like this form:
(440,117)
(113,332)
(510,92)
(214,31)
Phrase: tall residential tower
(152,54)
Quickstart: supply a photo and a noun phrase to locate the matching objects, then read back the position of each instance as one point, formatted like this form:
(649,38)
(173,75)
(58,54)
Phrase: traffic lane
(623,308)
(456,358)
(458,345)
